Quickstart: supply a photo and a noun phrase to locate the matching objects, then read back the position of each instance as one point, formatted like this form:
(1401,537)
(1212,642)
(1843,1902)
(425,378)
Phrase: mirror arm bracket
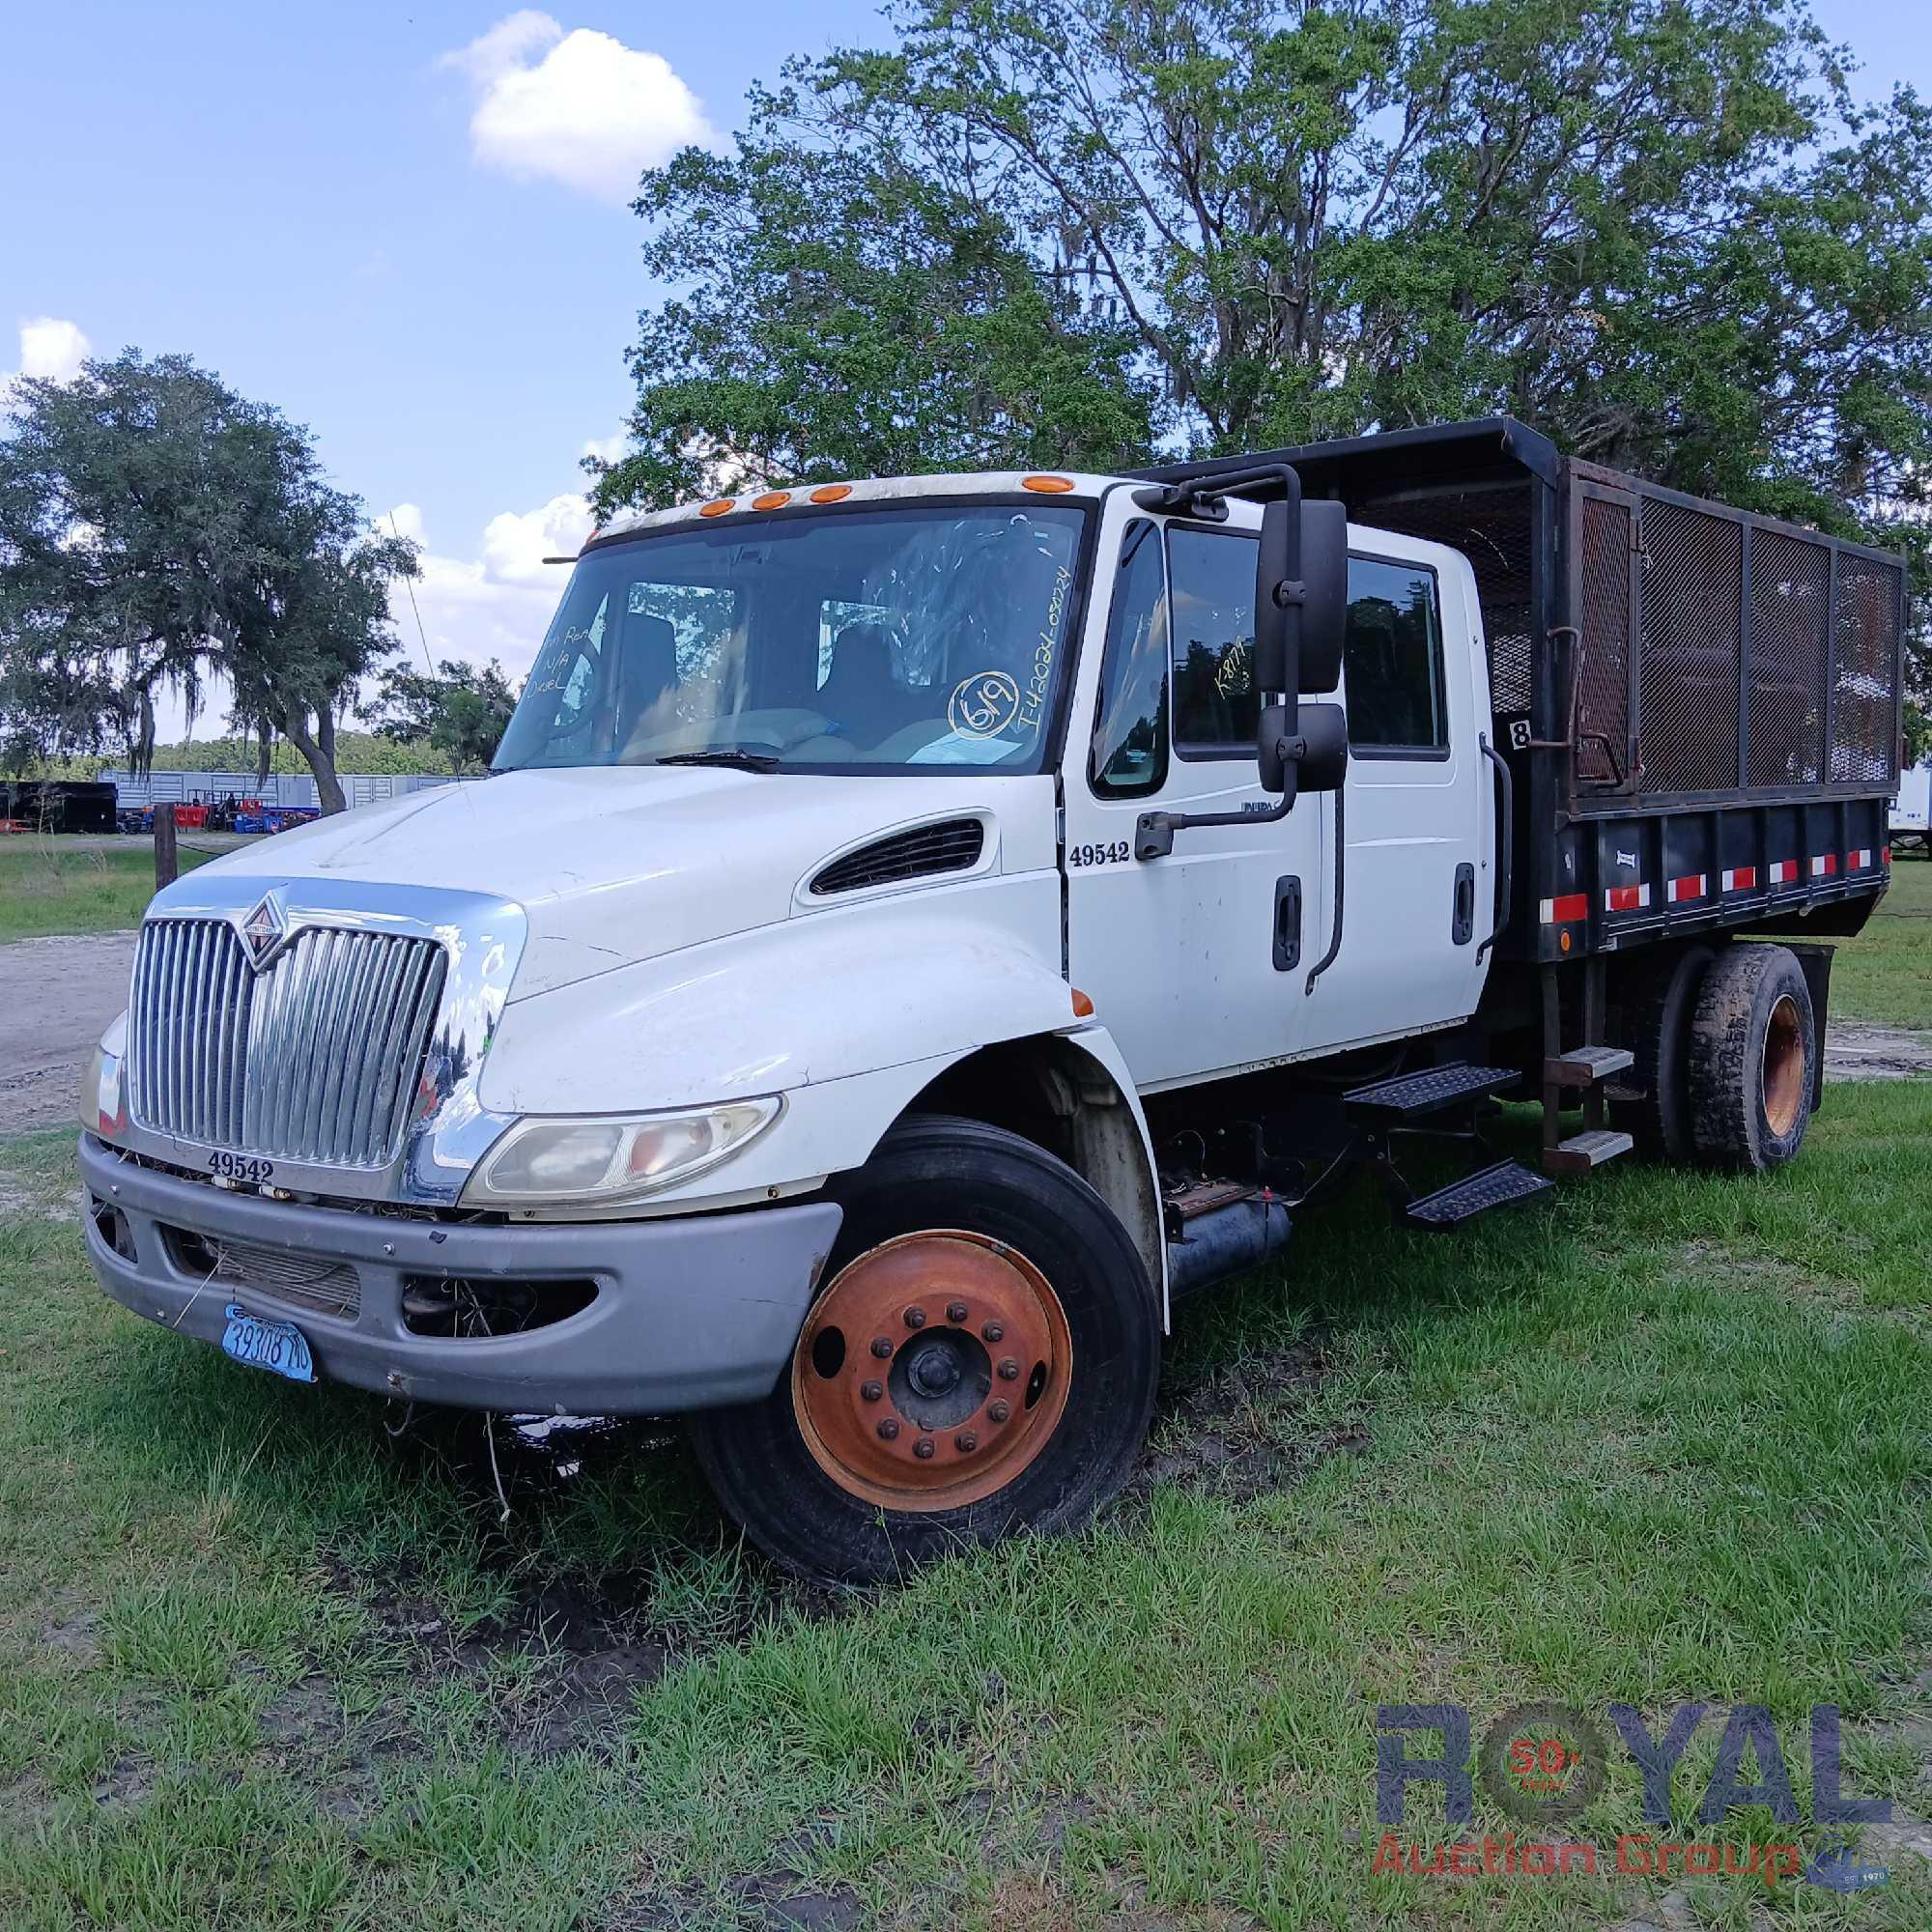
(1154,831)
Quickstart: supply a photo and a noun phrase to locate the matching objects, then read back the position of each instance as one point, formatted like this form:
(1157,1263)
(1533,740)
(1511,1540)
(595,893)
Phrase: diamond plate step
(1581,1152)
(1410,1095)
(1499,1186)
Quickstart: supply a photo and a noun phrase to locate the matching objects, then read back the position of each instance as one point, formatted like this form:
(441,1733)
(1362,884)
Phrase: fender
(847,1014)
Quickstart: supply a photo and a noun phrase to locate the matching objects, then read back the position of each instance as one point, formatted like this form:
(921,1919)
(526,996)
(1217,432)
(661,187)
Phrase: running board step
(1502,1185)
(1585,1065)
(1410,1095)
(1581,1152)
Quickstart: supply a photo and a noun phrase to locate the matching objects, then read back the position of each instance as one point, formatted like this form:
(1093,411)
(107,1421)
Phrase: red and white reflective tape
(1626,898)
(1783,872)
(1563,911)
(1884,853)
(1690,887)
(1859,861)
(1740,878)
(1824,865)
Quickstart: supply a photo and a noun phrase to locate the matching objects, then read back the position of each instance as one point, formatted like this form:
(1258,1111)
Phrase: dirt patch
(127,1780)
(56,998)
(79,1639)
(1243,1429)
(1855,1051)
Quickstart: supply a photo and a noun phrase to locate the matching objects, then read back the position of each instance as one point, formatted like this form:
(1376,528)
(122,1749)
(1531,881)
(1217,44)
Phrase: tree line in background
(158,529)
(1074,232)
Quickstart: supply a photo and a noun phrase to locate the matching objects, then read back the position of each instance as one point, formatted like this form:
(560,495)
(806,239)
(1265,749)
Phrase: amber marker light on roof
(718,506)
(771,499)
(832,493)
(1048,486)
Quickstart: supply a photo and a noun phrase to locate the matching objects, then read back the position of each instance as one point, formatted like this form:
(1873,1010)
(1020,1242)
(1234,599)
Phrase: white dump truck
(919,930)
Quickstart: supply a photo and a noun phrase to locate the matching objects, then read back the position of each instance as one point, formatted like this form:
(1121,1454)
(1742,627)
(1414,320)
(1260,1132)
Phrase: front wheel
(982,1359)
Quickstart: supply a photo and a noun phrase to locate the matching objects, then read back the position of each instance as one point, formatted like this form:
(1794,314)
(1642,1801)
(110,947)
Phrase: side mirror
(1323,763)
(1301,595)
(1324,594)
(1277,565)
(1302,748)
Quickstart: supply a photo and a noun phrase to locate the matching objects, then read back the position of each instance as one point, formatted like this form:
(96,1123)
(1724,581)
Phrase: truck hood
(618,865)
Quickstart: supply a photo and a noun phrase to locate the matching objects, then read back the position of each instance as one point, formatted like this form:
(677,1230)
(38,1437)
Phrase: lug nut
(915,1318)
(1010,1370)
(889,1428)
(994,1331)
(923,1448)
(871,1391)
(998,1410)
(882,1346)
(966,1442)
(956,1312)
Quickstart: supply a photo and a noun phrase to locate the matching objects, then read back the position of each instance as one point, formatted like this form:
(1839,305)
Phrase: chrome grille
(315,1057)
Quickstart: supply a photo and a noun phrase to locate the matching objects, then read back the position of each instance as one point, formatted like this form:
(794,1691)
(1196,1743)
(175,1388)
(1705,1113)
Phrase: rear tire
(1753,1059)
(1657,1004)
(951,1218)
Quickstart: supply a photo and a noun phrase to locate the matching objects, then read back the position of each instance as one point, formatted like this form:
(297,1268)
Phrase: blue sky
(425,253)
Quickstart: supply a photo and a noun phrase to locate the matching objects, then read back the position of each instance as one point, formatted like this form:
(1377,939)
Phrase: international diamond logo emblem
(263,930)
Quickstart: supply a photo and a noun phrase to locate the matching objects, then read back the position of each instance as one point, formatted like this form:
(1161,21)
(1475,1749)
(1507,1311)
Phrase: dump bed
(1699,707)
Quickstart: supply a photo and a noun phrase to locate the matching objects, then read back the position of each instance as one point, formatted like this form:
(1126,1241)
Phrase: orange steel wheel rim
(1784,1066)
(932,1371)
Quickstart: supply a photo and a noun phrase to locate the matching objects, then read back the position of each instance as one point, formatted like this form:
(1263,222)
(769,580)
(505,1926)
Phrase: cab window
(1212,585)
(1392,658)
(1129,754)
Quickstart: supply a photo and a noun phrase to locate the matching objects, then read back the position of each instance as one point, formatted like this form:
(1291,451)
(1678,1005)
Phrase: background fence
(159,787)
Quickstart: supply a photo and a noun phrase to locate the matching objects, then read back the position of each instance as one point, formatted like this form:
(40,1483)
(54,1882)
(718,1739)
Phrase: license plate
(280,1347)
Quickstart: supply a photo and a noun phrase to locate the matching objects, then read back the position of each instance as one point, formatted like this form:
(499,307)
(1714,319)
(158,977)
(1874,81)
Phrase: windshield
(889,640)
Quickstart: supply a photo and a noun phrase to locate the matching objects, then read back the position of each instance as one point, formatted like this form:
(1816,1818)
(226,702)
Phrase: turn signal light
(1083,1006)
(1049,486)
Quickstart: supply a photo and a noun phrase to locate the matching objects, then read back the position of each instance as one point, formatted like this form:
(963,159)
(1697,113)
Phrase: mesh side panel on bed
(1692,620)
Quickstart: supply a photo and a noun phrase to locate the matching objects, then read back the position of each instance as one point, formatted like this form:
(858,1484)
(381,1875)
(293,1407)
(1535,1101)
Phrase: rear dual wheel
(1753,1058)
(1725,1047)
(982,1359)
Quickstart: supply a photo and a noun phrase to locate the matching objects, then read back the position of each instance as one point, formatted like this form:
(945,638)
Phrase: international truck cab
(920,929)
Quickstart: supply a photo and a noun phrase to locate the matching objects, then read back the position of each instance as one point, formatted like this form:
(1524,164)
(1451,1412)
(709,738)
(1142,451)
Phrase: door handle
(1463,914)
(1287,924)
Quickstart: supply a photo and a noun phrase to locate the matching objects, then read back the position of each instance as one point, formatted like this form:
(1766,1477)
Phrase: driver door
(1194,961)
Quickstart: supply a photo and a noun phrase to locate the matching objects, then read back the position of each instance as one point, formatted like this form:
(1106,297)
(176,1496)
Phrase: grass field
(63,885)
(1886,975)
(1665,1440)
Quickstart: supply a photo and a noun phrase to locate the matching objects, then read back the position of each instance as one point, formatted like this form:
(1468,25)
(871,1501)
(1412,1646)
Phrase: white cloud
(498,603)
(578,107)
(52,349)
(606,449)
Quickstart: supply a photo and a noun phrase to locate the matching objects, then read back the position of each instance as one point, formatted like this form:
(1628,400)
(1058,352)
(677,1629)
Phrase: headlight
(561,1161)
(104,1094)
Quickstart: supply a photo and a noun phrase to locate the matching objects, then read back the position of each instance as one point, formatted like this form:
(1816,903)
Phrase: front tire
(1753,1059)
(982,1359)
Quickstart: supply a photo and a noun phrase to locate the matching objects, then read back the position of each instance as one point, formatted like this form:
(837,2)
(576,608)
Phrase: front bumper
(690,1312)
